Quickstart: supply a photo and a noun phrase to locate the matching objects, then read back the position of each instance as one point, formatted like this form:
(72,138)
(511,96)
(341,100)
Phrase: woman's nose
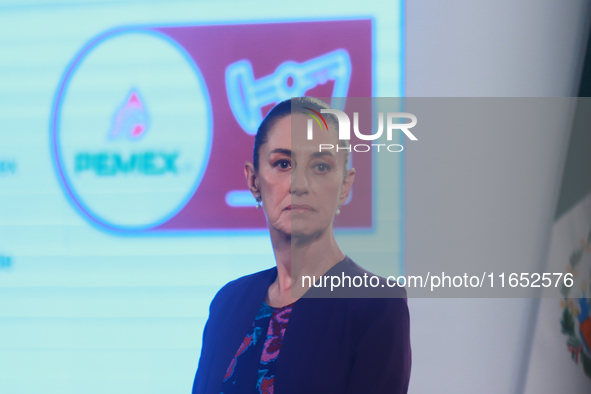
(299,182)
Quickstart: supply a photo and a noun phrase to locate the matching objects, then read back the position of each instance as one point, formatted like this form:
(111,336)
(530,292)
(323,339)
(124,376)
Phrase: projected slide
(156,148)
(124,130)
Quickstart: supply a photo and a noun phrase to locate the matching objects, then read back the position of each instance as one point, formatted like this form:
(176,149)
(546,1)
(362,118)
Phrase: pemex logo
(131,142)
(130,119)
(129,122)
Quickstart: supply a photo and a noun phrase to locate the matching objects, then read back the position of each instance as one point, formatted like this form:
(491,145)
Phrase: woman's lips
(298,207)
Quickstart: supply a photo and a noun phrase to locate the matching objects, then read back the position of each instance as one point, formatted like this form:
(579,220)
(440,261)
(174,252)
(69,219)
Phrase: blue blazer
(331,345)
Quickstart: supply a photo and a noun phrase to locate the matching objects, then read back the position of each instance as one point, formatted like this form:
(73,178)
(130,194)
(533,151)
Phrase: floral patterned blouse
(252,370)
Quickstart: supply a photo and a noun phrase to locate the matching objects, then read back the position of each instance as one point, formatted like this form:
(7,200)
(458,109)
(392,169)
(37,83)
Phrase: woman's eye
(322,167)
(283,164)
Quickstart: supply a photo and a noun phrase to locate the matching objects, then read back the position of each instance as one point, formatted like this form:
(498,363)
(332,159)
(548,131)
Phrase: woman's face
(301,187)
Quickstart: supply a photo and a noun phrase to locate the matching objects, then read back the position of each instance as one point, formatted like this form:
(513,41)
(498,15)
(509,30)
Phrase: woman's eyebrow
(281,150)
(323,153)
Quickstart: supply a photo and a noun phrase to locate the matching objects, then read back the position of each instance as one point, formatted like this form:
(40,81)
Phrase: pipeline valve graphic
(248,96)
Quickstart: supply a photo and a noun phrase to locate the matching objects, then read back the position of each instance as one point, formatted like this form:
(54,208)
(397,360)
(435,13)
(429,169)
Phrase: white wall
(485,48)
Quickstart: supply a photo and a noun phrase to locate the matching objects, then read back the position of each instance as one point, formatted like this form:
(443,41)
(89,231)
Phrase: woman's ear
(251,179)
(347,184)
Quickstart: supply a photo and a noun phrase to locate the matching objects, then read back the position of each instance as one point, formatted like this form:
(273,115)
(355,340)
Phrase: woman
(265,334)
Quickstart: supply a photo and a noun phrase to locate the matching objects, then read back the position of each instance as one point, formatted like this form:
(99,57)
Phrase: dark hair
(288,107)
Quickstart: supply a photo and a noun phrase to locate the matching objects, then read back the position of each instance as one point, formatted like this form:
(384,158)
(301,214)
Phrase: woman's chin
(281,227)
(305,232)
(300,229)
(292,231)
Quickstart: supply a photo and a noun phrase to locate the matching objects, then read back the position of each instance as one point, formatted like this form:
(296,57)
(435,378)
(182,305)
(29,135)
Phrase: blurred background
(124,126)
